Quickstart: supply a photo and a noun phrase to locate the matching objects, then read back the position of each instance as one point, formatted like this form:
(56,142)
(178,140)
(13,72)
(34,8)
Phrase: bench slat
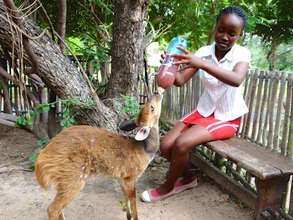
(258,161)
(284,164)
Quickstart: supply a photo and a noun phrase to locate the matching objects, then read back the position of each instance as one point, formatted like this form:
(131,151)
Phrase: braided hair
(233,10)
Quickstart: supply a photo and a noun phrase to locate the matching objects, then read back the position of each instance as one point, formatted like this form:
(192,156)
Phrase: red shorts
(217,128)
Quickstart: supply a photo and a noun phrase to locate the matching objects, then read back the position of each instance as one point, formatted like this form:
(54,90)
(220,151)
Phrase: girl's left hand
(189,60)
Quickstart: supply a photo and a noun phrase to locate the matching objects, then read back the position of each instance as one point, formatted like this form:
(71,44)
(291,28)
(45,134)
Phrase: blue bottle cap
(174,43)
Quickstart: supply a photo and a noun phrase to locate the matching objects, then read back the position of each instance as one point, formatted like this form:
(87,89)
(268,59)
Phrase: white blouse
(225,101)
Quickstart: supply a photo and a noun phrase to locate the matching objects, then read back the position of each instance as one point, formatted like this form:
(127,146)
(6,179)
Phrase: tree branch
(17,17)
(61,75)
(61,24)
(4,74)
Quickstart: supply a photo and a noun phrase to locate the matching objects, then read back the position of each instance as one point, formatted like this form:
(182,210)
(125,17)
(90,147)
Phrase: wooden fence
(267,94)
(20,103)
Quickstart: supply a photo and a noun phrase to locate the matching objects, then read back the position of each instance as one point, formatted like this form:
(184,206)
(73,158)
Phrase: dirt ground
(22,199)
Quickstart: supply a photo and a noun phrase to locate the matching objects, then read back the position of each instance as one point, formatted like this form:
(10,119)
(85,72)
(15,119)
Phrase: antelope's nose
(160,91)
(157,94)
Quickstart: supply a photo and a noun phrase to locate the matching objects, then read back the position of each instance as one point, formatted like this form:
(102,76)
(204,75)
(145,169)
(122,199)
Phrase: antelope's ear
(143,133)
(127,125)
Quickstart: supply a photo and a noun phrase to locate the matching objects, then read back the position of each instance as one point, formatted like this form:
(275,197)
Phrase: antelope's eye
(152,108)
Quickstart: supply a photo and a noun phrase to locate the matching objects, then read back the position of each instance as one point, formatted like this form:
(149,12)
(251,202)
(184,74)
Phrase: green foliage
(88,29)
(89,26)
(67,116)
(268,19)
(272,19)
(25,120)
(182,17)
(127,105)
(33,158)
(197,18)
(89,49)
(28,119)
(66,119)
(285,57)
(123,206)
(87,16)
(101,89)
(259,50)
(273,22)
(91,54)
(41,143)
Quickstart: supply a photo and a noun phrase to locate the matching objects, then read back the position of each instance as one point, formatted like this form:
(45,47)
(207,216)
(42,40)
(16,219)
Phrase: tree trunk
(214,4)
(7,103)
(53,125)
(127,51)
(59,74)
(272,54)
(4,76)
(61,23)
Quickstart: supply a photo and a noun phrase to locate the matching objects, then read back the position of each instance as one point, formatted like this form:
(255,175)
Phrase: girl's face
(228,30)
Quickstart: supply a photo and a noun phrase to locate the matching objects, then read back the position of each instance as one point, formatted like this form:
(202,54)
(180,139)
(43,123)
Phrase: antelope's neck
(152,143)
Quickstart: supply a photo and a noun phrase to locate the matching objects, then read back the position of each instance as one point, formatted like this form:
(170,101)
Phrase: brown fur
(74,152)
(80,151)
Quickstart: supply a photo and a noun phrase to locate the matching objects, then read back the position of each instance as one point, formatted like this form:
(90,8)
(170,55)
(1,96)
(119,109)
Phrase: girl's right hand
(187,59)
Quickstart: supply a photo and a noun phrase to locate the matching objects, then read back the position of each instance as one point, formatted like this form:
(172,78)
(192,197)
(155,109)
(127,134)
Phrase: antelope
(82,151)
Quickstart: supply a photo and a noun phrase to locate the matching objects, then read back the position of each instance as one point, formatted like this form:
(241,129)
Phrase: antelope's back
(79,151)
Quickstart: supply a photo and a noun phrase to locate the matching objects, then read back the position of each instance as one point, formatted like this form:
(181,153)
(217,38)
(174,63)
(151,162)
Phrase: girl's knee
(165,147)
(182,147)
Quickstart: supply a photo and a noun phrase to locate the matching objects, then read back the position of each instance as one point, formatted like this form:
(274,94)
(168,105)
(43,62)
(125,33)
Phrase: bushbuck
(81,151)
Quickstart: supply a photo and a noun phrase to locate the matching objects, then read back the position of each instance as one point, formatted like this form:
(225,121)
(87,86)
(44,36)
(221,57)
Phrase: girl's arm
(185,73)
(183,76)
(233,78)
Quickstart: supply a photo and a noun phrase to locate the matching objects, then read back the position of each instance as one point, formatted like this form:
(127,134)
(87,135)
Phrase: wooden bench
(271,173)
(262,152)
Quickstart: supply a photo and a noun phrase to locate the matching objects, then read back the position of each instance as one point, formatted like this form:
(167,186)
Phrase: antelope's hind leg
(65,194)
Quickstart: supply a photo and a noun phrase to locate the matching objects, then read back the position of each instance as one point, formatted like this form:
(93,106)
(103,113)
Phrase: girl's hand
(163,56)
(189,60)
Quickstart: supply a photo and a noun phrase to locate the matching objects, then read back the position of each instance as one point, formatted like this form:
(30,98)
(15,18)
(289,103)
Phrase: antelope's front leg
(128,187)
(133,203)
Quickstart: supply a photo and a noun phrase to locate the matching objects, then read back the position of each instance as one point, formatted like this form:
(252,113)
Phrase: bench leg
(270,194)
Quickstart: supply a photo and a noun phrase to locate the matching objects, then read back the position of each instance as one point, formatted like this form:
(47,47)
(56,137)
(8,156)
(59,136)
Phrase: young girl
(222,67)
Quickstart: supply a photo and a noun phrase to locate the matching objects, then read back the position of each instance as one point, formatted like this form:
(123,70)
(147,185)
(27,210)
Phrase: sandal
(180,185)
(152,195)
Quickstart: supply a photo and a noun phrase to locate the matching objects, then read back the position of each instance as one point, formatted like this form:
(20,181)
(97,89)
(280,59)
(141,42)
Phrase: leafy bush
(127,105)
(66,119)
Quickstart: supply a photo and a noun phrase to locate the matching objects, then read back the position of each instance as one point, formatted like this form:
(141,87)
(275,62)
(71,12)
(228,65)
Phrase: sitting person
(222,67)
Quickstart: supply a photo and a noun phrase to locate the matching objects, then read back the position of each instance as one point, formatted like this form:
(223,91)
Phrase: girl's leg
(180,154)
(189,173)
(168,141)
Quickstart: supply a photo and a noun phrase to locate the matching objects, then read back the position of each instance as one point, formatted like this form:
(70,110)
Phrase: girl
(222,67)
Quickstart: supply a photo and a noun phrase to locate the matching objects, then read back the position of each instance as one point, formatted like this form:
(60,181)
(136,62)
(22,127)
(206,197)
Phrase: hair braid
(233,10)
